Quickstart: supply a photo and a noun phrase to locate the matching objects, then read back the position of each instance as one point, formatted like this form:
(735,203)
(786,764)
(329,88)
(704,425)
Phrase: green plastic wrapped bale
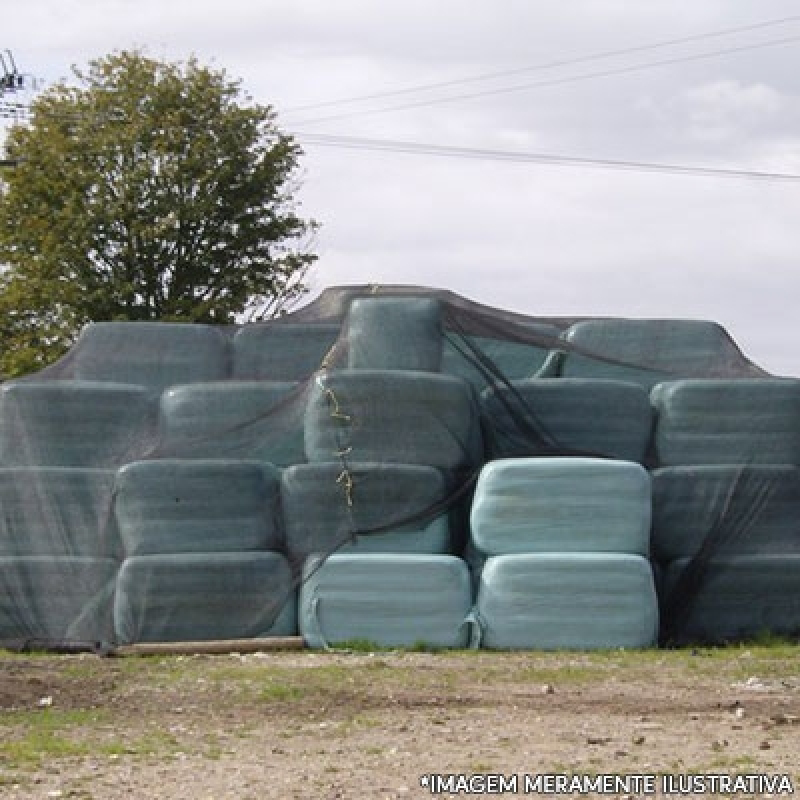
(259,420)
(57,511)
(481,360)
(204,596)
(730,510)
(728,422)
(181,506)
(567,601)
(738,598)
(323,506)
(48,600)
(571,416)
(648,351)
(278,351)
(391,600)
(402,417)
(155,354)
(536,505)
(74,423)
(395,333)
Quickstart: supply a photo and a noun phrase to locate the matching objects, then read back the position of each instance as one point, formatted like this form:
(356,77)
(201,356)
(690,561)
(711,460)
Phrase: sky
(500,88)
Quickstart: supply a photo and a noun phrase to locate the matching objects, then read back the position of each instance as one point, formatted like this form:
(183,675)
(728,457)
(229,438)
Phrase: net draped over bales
(402,465)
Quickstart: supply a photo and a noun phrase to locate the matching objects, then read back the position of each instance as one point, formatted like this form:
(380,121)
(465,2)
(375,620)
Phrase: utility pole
(11,80)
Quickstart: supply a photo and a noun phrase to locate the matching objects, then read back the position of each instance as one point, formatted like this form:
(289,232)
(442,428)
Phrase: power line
(543,66)
(556,81)
(447,151)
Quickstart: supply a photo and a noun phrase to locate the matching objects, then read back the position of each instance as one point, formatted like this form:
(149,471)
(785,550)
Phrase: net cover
(175,481)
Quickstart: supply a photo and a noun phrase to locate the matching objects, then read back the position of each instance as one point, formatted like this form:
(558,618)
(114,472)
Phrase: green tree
(145,190)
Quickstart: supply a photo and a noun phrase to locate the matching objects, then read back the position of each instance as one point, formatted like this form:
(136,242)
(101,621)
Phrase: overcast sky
(587,79)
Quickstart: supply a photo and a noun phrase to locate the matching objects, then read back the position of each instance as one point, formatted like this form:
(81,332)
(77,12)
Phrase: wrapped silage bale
(395,333)
(571,416)
(203,506)
(733,598)
(57,511)
(482,359)
(569,601)
(53,600)
(236,419)
(281,351)
(402,417)
(536,505)
(648,351)
(726,510)
(728,421)
(203,596)
(74,423)
(155,354)
(324,505)
(391,600)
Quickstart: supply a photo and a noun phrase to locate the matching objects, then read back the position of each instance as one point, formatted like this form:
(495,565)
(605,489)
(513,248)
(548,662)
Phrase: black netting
(316,474)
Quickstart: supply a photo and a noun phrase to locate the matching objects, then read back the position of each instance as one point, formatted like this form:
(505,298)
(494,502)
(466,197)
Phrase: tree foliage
(148,190)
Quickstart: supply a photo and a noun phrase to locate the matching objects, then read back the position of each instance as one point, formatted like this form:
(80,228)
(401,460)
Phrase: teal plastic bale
(739,597)
(390,600)
(51,600)
(573,416)
(204,596)
(74,423)
(57,511)
(537,505)
(395,333)
(648,351)
(401,417)
(281,351)
(733,510)
(324,505)
(204,506)
(239,419)
(482,359)
(567,601)
(155,354)
(728,422)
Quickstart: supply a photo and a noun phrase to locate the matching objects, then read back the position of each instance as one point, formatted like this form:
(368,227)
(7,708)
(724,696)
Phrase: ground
(369,725)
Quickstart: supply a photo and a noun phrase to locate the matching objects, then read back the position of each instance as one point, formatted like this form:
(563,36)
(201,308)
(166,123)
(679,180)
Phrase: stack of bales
(566,542)
(386,438)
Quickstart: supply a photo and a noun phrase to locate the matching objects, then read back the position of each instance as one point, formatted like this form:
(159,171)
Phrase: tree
(149,190)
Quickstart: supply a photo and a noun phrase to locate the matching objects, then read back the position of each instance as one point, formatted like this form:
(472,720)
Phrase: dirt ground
(370,725)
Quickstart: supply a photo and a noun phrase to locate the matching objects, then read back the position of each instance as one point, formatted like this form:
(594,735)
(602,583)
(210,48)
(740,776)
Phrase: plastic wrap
(612,419)
(200,506)
(567,601)
(728,422)
(536,505)
(392,600)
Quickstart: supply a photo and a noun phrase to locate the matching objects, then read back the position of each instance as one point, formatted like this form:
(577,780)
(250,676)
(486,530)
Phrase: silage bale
(567,601)
(53,600)
(402,333)
(203,506)
(733,598)
(57,511)
(731,509)
(391,600)
(74,423)
(325,504)
(204,596)
(281,351)
(155,354)
(536,505)
(236,419)
(400,417)
(728,421)
(570,416)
